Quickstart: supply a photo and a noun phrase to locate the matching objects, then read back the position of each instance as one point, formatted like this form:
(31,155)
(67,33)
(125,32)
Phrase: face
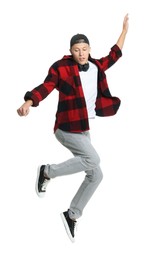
(80,52)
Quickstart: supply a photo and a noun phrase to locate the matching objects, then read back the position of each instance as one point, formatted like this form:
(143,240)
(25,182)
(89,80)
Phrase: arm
(33,97)
(122,36)
(116,50)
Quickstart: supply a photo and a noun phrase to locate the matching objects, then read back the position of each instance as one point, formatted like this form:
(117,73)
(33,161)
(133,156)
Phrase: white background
(34,34)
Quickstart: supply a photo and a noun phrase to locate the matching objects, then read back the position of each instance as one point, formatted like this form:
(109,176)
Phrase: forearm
(121,39)
(29,102)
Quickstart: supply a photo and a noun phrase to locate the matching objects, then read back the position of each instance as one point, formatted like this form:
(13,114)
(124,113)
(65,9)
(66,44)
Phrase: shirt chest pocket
(67,86)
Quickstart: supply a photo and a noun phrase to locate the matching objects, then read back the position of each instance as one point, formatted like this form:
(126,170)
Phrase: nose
(80,53)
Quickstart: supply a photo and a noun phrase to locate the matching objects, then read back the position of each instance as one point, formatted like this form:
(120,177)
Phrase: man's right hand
(25,108)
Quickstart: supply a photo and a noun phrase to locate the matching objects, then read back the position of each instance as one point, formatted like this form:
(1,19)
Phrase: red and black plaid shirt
(64,76)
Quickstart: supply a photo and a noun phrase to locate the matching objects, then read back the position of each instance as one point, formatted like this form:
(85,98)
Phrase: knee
(100,175)
(97,175)
(94,161)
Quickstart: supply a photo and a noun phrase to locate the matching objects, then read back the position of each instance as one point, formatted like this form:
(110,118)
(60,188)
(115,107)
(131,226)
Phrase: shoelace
(75,225)
(45,183)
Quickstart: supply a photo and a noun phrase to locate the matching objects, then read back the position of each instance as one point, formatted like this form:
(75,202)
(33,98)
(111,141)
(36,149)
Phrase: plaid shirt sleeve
(110,59)
(43,90)
(106,104)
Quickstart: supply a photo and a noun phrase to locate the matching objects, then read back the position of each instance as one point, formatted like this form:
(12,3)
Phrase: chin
(83,62)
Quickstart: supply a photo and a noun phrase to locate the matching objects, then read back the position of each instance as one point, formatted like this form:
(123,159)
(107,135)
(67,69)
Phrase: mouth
(82,60)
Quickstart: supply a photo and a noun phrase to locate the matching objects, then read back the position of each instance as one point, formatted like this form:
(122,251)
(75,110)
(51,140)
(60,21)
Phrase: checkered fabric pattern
(63,76)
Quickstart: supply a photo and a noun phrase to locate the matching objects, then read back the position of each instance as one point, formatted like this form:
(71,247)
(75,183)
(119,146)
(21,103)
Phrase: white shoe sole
(40,194)
(67,228)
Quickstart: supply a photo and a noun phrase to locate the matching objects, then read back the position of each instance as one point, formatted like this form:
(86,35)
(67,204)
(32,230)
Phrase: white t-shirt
(89,81)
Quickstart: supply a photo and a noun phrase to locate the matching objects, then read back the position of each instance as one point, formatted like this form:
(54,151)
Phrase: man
(83,94)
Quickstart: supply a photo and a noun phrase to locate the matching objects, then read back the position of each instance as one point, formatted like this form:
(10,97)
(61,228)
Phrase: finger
(26,112)
(23,111)
(126,17)
(19,112)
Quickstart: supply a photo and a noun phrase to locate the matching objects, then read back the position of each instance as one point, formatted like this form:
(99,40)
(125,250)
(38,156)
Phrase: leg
(86,158)
(85,192)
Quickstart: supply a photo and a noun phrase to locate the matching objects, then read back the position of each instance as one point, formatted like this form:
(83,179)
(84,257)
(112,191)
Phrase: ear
(70,51)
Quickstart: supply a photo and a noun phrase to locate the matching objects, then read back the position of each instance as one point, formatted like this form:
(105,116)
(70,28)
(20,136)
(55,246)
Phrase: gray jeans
(85,159)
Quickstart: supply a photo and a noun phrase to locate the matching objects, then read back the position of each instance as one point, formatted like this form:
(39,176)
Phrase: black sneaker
(41,182)
(69,225)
